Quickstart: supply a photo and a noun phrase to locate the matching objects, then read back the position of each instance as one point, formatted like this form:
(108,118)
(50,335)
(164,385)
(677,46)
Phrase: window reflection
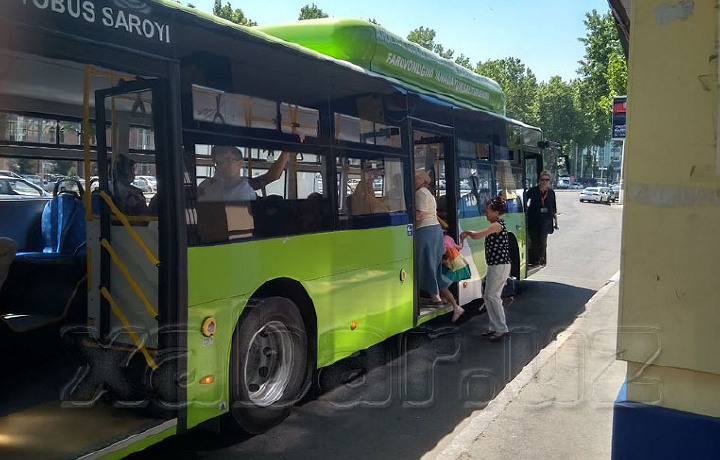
(475,189)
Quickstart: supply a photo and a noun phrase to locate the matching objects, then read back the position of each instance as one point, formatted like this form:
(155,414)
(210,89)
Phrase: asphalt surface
(399,399)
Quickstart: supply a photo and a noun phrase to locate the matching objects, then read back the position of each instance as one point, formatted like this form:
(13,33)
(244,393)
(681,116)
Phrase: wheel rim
(268,364)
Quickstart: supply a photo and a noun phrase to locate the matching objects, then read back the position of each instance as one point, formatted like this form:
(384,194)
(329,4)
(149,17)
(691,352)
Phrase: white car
(14,188)
(595,194)
(148,184)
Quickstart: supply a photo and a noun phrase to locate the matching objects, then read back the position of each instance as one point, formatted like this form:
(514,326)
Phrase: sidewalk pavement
(560,405)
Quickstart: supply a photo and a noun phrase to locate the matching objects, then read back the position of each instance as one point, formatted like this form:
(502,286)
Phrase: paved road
(415,388)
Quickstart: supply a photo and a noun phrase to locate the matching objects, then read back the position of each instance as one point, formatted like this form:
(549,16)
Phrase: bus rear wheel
(268,364)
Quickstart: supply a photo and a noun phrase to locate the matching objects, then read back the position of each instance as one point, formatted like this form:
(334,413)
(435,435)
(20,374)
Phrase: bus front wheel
(268,364)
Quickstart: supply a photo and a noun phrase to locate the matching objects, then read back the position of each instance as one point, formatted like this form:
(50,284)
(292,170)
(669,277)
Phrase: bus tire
(268,364)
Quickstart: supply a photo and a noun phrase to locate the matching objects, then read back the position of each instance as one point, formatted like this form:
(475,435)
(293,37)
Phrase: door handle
(518,227)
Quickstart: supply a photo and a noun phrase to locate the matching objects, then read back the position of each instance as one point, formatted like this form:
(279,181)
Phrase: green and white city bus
(122,327)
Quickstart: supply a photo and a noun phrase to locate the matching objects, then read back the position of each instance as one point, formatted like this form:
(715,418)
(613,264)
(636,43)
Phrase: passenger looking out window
(228,185)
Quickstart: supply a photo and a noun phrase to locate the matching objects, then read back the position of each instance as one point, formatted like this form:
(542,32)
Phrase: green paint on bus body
(374,48)
(349,276)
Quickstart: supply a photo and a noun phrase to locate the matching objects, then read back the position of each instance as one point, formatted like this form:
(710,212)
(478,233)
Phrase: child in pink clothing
(455,267)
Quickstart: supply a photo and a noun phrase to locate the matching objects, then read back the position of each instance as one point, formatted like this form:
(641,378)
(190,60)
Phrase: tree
(22,166)
(426,38)
(603,71)
(464,61)
(517,82)
(557,112)
(234,15)
(311,12)
(423,37)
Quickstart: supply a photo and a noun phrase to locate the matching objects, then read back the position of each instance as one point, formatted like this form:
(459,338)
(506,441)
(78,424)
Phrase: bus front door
(433,153)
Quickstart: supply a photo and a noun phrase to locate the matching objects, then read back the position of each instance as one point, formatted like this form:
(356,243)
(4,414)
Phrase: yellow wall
(670,286)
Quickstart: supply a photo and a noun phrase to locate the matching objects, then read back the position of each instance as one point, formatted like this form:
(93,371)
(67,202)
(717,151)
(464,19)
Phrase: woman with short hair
(430,246)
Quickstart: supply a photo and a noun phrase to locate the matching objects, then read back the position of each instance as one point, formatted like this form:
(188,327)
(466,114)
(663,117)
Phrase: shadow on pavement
(400,398)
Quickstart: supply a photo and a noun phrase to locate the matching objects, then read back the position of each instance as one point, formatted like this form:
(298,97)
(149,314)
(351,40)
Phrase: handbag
(456,269)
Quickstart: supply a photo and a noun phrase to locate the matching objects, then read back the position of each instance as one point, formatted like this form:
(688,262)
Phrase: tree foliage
(22,166)
(603,71)
(556,110)
(463,61)
(517,82)
(426,38)
(311,12)
(234,15)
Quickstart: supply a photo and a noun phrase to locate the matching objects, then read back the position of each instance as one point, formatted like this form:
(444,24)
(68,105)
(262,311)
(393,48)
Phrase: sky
(542,33)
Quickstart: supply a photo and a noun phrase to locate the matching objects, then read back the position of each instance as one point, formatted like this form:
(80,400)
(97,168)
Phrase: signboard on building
(619,117)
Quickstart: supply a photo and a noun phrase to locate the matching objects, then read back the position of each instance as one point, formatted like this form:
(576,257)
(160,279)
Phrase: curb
(479,422)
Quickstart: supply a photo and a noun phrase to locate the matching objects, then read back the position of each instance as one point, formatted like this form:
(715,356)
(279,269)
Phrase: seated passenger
(129,199)
(228,185)
(363,200)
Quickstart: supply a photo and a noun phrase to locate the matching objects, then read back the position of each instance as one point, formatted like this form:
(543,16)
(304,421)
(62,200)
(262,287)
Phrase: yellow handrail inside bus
(123,268)
(129,228)
(136,340)
(442,222)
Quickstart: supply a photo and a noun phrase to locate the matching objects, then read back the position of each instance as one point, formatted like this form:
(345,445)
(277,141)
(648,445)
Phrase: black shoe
(498,336)
(487,333)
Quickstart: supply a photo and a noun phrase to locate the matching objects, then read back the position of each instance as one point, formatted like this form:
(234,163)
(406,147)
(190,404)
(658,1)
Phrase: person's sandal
(498,336)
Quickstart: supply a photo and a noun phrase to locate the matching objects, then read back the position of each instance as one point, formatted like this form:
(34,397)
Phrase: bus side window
(370,193)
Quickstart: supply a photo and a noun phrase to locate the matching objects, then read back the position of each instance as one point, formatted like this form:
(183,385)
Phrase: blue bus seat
(63,228)
(42,287)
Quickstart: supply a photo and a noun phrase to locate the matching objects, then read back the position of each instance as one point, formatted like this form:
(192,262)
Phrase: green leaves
(604,73)
(519,84)
(426,38)
(311,12)
(234,15)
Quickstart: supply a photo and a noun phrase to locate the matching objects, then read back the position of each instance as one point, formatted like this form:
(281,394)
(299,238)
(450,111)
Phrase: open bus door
(434,152)
(101,399)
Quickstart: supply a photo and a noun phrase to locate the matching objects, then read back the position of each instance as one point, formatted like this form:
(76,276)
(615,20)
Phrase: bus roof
(374,48)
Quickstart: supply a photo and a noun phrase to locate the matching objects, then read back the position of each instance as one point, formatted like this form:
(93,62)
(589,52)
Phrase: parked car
(576,186)
(613,196)
(33,178)
(148,184)
(607,191)
(6,173)
(13,187)
(595,194)
(616,192)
